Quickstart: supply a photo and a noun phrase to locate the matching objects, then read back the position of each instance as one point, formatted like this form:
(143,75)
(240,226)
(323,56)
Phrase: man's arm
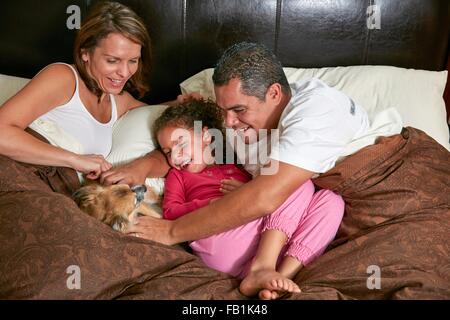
(152,165)
(255,199)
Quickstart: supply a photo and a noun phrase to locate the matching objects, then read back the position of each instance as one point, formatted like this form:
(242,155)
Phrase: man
(316,124)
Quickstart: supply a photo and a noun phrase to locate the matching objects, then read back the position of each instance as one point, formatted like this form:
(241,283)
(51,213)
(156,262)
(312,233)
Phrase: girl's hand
(229,185)
(91,164)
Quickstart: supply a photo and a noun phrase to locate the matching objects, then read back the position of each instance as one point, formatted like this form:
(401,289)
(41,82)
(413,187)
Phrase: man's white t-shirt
(317,125)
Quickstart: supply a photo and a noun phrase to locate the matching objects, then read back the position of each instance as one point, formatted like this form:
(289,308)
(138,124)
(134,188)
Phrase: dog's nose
(141,188)
(139,191)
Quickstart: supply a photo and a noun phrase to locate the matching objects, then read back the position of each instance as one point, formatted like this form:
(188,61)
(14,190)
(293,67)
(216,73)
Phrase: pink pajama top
(186,191)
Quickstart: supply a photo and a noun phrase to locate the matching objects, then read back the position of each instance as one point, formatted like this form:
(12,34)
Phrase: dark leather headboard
(189,35)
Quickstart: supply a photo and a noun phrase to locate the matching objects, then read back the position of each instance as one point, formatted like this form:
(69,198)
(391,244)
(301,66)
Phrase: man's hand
(150,228)
(228,185)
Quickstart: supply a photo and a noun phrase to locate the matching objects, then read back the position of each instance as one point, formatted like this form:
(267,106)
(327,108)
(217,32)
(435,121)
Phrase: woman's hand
(127,174)
(182,98)
(91,164)
(228,185)
(150,228)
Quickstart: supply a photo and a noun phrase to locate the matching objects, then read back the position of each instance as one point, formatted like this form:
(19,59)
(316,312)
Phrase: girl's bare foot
(267,283)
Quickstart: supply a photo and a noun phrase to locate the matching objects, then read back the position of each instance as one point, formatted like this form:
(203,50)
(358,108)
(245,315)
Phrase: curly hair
(185,115)
(254,65)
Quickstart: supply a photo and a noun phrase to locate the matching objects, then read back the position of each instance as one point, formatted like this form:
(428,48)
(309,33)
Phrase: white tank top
(75,120)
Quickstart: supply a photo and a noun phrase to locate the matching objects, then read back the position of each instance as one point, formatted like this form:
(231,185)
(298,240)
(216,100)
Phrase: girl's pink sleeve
(174,203)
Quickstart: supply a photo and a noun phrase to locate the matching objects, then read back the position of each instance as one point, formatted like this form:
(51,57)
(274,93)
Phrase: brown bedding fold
(388,223)
(43,234)
(397,195)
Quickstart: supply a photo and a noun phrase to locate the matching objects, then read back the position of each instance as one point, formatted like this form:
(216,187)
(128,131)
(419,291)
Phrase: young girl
(266,253)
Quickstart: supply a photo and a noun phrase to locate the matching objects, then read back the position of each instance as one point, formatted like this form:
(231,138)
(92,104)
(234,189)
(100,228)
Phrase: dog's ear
(88,200)
(86,194)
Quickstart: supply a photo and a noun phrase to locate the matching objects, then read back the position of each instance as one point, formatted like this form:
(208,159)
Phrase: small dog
(118,205)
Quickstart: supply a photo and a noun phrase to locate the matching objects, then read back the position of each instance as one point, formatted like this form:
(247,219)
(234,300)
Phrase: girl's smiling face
(185,149)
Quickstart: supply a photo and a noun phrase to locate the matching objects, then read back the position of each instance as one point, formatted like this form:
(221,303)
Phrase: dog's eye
(121,192)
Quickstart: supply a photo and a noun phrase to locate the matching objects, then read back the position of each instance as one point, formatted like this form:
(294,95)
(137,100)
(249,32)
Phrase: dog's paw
(119,223)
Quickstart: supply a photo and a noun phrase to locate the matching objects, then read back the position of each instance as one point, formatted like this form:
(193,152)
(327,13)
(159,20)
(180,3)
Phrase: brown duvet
(394,241)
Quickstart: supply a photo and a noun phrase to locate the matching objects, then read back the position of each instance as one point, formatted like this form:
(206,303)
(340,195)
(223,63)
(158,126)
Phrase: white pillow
(133,138)
(9,86)
(416,94)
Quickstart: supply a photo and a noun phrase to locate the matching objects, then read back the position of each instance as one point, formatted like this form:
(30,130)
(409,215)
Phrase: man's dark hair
(254,65)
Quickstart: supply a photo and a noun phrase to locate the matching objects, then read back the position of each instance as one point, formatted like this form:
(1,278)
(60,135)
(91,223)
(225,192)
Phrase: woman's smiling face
(113,62)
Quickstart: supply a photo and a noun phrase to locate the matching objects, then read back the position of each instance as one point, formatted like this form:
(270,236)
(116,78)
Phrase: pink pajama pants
(309,220)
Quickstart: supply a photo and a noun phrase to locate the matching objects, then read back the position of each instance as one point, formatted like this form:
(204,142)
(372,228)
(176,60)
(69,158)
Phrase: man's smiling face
(245,114)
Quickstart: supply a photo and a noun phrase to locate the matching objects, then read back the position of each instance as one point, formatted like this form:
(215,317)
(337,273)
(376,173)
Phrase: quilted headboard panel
(189,35)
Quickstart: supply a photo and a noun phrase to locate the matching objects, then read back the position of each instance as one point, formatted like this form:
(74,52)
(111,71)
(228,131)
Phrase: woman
(111,62)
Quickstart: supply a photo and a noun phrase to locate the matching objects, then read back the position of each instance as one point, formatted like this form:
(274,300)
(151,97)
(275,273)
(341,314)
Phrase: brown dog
(118,205)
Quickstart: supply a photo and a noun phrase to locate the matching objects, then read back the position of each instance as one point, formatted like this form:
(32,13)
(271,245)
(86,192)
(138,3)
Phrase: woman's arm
(126,101)
(152,165)
(52,87)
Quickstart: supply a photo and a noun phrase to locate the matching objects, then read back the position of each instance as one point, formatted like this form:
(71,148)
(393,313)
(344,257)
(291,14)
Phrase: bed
(384,53)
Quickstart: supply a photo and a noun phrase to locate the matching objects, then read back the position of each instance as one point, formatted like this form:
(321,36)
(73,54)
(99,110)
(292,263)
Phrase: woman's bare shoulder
(52,86)
(56,79)
(57,72)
